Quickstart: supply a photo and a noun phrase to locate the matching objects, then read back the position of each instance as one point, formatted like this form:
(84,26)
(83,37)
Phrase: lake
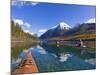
(51,58)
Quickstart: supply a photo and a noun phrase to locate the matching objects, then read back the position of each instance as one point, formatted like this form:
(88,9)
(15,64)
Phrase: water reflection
(66,51)
(16,61)
(18,52)
(91,61)
(64,56)
(18,48)
(51,58)
(41,50)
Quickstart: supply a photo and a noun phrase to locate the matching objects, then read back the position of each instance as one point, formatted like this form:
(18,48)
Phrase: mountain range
(56,31)
(63,29)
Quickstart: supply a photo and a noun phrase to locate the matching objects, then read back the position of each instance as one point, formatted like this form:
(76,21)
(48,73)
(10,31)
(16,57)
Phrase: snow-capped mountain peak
(64,25)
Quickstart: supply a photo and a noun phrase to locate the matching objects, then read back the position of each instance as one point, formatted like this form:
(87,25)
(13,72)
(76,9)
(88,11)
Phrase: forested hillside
(18,35)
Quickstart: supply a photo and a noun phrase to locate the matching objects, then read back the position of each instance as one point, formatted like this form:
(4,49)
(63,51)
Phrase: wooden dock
(27,66)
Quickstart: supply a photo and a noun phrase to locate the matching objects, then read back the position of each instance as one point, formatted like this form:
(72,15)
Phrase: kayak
(27,66)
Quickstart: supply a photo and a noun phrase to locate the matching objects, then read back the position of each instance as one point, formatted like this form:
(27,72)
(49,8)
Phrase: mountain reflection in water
(50,58)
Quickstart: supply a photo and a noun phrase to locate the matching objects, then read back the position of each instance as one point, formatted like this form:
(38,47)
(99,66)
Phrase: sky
(37,17)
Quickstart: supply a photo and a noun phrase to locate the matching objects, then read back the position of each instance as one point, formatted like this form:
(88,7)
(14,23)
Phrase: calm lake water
(50,58)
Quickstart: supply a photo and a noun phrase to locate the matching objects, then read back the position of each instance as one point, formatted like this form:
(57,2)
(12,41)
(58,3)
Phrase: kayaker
(81,43)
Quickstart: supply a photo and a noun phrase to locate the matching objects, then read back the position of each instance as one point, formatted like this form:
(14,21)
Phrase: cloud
(22,3)
(92,20)
(28,31)
(22,23)
(19,21)
(25,25)
(42,30)
(34,3)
